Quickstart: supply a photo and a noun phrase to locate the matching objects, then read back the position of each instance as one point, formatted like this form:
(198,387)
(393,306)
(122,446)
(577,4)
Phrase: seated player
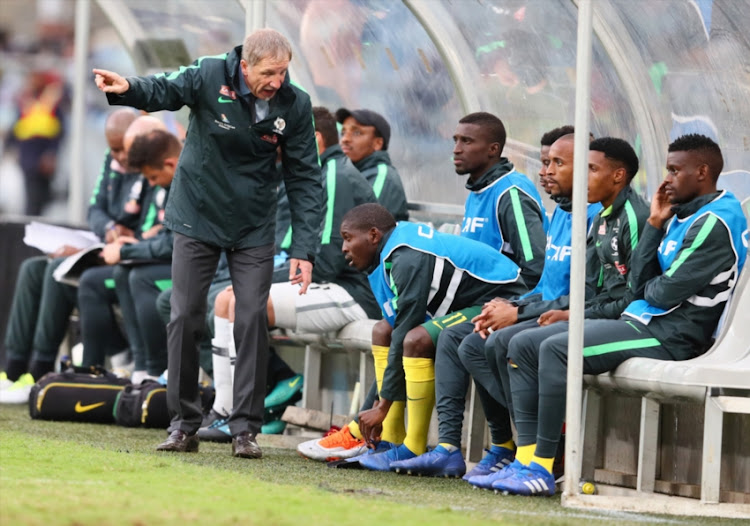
(682,274)
(422,279)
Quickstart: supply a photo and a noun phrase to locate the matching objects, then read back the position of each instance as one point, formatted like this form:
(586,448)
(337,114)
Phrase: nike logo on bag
(224,100)
(295,382)
(83,408)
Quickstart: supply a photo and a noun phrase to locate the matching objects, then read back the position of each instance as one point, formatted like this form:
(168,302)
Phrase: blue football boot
(382,461)
(486,481)
(436,463)
(353,462)
(528,480)
(495,459)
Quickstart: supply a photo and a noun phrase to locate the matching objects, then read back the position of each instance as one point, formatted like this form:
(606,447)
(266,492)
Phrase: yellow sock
(394,429)
(546,463)
(393,426)
(354,429)
(380,357)
(420,399)
(507,445)
(524,454)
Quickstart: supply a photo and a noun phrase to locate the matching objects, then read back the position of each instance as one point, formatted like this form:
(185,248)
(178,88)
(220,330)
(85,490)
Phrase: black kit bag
(142,405)
(77,394)
(146,404)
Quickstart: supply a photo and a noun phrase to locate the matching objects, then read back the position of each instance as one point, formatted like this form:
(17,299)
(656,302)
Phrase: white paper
(49,238)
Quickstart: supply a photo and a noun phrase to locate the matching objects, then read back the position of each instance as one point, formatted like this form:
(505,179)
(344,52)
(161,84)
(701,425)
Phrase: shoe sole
(189,449)
(323,456)
(259,454)
(413,473)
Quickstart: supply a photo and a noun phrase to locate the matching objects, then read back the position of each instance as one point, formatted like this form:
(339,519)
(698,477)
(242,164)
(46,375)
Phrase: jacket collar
(684,210)
(373,159)
(496,171)
(619,201)
(331,152)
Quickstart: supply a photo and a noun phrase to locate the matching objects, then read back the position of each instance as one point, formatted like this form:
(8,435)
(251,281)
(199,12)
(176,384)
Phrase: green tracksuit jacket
(385,182)
(111,193)
(614,238)
(687,330)
(224,190)
(158,247)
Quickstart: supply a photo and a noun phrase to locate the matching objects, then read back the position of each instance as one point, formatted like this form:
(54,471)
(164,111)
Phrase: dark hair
(152,148)
(708,151)
(551,136)
(493,125)
(325,123)
(368,215)
(619,151)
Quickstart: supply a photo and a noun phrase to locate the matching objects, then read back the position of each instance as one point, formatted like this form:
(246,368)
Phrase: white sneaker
(19,392)
(340,444)
(4,382)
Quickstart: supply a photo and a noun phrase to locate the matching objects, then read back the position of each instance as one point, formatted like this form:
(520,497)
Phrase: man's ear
(703,173)
(171,163)
(494,149)
(374,235)
(620,176)
(377,144)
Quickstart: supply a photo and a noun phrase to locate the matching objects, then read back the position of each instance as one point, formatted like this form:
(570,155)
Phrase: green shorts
(436,326)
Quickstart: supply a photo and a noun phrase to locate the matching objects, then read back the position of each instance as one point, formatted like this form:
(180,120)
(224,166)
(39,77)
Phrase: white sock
(222,372)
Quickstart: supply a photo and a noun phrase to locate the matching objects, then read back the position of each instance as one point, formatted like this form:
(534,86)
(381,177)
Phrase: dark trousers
(39,313)
(538,367)
(496,355)
(193,267)
(137,289)
(455,364)
(100,332)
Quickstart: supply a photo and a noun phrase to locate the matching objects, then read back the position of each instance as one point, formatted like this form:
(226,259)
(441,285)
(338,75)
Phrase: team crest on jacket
(228,92)
(278,125)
